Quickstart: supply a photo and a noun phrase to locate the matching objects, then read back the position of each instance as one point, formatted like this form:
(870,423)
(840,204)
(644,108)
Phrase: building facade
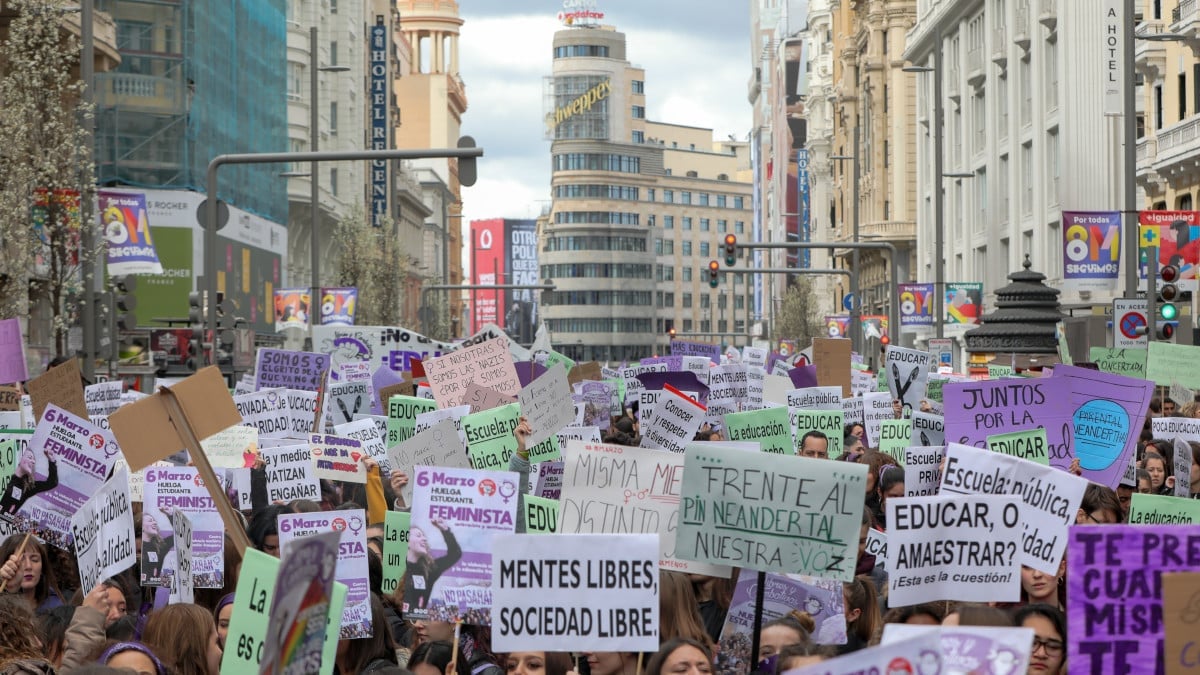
(818,113)
(1025,122)
(639,209)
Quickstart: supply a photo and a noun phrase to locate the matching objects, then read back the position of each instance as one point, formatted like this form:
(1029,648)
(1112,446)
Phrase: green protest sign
(933,390)
(1167,363)
(894,437)
(770,427)
(1163,510)
(1128,362)
(402,417)
(996,372)
(490,438)
(1030,444)
(8,460)
(828,422)
(337,601)
(251,613)
(395,548)
(541,515)
(554,357)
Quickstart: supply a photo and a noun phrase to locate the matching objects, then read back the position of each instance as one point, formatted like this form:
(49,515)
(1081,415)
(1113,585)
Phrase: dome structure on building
(1027,311)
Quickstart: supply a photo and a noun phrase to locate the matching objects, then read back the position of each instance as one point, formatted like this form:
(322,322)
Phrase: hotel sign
(379,122)
(583,102)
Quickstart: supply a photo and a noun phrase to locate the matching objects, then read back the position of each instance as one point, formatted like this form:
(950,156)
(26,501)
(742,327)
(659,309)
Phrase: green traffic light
(1169,312)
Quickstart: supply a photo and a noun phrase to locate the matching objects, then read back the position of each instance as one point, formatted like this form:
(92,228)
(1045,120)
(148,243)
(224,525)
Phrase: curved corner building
(639,210)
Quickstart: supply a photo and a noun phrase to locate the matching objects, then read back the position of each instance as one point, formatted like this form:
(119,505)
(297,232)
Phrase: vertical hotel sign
(379,121)
(805,204)
(1113,57)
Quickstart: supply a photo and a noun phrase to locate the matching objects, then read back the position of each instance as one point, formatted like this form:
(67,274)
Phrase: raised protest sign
(1168,363)
(677,418)
(920,655)
(436,446)
(1107,411)
(820,598)
(928,429)
(426,420)
(290,473)
(62,385)
(769,427)
(894,437)
(343,400)
(541,517)
(479,398)
(491,440)
(402,414)
(367,432)
(66,461)
(251,607)
(456,514)
(391,348)
(267,411)
(546,404)
(166,491)
(182,589)
(972,649)
(1049,497)
(13,366)
(921,470)
(1182,459)
(815,398)
(853,410)
(953,548)
(1115,615)
(828,422)
(550,479)
(907,373)
(1030,444)
(300,604)
(1186,428)
(685,348)
(877,546)
(976,410)
(1180,591)
(103,532)
(103,397)
(232,448)
(351,526)
(618,489)
(395,549)
(772,513)
(1129,362)
(337,458)
(1145,509)
(832,359)
(302,407)
(877,408)
(291,370)
(488,363)
(594,592)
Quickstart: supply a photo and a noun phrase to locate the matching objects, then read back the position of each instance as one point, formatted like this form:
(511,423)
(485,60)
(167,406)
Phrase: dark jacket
(420,576)
(20,490)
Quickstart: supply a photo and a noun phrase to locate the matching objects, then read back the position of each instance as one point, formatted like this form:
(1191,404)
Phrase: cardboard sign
(103,532)
(1049,497)
(181,581)
(251,607)
(546,404)
(457,513)
(10,399)
(395,549)
(749,509)
(928,429)
(479,398)
(1029,445)
(13,366)
(1107,411)
(438,446)
(769,427)
(976,410)
(1147,509)
(1180,591)
(921,470)
(62,385)
(337,458)
(402,414)
(351,568)
(953,548)
(821,599)
(169,490)
(583,372)
(894,437)
(488,363)
(290,474)
(677,418)
(288,369)
(1167,363)
(565,593)
(831,356)
(1130,559)
(300,606)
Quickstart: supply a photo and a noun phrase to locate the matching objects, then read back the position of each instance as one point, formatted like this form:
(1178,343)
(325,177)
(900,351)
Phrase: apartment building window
(668,196)
(980,122)
(739,302)
(705,301)
(1195,89)
(981,266)
(706,325)
(722,303)
(886,154)
(1002,105)
(704,249)
(721,198)
(887,210)
(1051,61)
(739,227)
(639,87)
(704,224)
(658,247)
(722,226)
(981,199)
(639,137)
(668,247)
(650,194)
(722,324)
(686,247)
(687,223)
(295,80)
(687,301)
(1055,261)
(1052,161)
(685,198)
(687,325)
(1026,85)
(1027,179)
(739,202)
(1156,9)
(668,222)
(333,53)
(639,112)
(884,40)
(1027,243)
(1002,188)
(1158,106)
(333,118)
(703,197)
(1182,80)
(687,274)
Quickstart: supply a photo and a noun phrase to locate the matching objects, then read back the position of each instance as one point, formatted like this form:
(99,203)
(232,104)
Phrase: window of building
(722,325)
(1027,179)
(739,302)
(333,53)
(1158,106)
(639,87)
(722,303)
(687,223)
(686,247)
(739,227)
(583,161)
(568,51)
(720,201)
(722,226)
(687,301)
(1053,165)
(333,185)
(704,224)
(596,217)
(1181,80)
(703,197)
(693,174)
(687,273)
(687,325)
(886,155)
(639,136)
(296,76)
(639,112)
(668,222)
(685,198)
(650,194)
(722,176)
(704,249)
(668,196)
(650,222)
(739,202)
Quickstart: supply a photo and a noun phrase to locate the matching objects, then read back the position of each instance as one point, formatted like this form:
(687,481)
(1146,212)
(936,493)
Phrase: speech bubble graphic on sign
(1101,429)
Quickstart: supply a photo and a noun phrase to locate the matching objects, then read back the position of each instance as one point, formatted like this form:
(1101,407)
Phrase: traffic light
(731,250)
(1168,292)
(195,346)
(714,273)
(124,301)
(466,165)
(1162,310)
(884,341)
(671,333)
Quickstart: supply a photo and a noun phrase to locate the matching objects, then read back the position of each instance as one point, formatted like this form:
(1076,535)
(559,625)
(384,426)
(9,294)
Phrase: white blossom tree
(369,258)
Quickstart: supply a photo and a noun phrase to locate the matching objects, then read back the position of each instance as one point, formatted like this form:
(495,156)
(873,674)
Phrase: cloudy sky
(697,61)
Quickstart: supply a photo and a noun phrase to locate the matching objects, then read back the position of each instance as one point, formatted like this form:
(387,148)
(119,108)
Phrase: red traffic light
(1166,331)
(885,340)
(1168,273)
(671,332)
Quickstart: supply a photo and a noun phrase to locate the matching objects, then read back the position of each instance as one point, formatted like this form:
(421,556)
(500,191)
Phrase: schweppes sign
(584,102)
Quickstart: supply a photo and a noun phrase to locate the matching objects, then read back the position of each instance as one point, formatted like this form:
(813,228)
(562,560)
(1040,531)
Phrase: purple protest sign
(528,371)
(803,377)
(289,370)
(1114,597)
(13,367)
(976,410)
(672,362)
(683,381)
(1107,414)
(685,348)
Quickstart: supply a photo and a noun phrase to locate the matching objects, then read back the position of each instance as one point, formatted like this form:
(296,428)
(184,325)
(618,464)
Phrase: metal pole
(87,73)
(314,238)
(855,287)
(939,197)
(1130,168)
(1152,293)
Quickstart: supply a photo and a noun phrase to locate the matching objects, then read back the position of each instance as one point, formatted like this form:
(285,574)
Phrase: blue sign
(848,302)
(379,122)
(805,215)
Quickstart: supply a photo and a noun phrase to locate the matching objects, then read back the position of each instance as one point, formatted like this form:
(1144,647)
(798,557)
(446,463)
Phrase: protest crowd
(481,509)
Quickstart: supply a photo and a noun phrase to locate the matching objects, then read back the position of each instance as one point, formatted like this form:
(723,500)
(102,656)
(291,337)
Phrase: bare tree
(44,161)
(797,318)
(369,259)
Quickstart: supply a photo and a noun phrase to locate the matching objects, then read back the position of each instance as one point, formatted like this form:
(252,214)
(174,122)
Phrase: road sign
(944,349)
(1128,317)
(848,302)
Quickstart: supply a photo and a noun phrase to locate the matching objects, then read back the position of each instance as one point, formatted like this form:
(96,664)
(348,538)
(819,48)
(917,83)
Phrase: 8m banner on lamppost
(1091,250)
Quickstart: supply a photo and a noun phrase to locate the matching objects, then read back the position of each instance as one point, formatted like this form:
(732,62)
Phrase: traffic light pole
(210,206)
(1152,266)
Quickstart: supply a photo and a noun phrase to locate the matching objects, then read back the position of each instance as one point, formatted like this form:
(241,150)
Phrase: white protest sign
(877,546)
(922,473)
(1049,497)
(440,445)
(928,429)
(959,547)
(877,407)
(594,592)
(337,458)
(853,411)
(102,398)
(776,389)
(922,655)
(907,375)
(302,406)
(676,420)
(699,365)
(1185,428)
(862,382)
(586,434)
(231,448)
(1182,459)
(546,404)
(290,474)
(755,356)
(366,431)
(427,420)
(344,400)
(971,649)
(815,398)
(267,411)
(103,529)
(755,388)
(182,583)
(618,489)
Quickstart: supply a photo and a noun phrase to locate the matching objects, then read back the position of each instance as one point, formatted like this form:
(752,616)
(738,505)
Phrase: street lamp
(314,177)
(855,291)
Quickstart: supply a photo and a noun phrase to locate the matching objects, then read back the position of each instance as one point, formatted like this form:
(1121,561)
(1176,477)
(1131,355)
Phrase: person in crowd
(801,655)
(1125,497)
(27,574)
(1037,587)
(154,545)
(1049,638)
(611,663)
(1169,407)
(862,613)
(185,638)
(1194,475)
(537,663)
(131,656)
(423,570)
(814,445)
(679,613)
(20,649)
(925,614)
(681,656)
(473,641)
(1144,484)
(368,655)
(867,564)
(852,448)
(24,484)
(52,632)
(1155,408)
(714,595)
(434,658)
(875,462)
(1100,506)
(972,614)
(1161,480)
(263,530)
(890,484)
(223,612)
(785,631)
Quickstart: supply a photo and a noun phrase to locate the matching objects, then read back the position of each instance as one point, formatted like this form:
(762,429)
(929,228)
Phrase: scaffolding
(198,78)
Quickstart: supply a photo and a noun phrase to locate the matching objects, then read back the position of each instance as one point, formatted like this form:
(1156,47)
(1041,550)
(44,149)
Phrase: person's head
(223,612)
(1168,407)
(263,529)
(875,462)
(856,429)
(1144,486)
(52,632)
(537,663)
(801,655)
(34,576)
(782,632)
(1194,477)
(926,614)
(1039,587)
(150,528)
(114,588)
(1125,497)
(1155,407)
(418,544)
(852,446)
(890,484)
(133,657)
(185,637)
(354,655)
(1100,506)
(681,656)
(612,663)
(18,630)
(862,607)
(26,463)
(1049,638)
(679,612)
(969,614)
(433,631)
(431,658)
(1158,468)
(814,445)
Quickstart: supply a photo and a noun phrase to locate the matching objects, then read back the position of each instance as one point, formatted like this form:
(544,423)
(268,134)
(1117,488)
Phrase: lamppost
(855,291)
(315,177)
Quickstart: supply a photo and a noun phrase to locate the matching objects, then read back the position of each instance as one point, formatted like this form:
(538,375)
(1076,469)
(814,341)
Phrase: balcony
(1000,47)
(975,71)
(1179,148)
(952,85)
(888,230)
(1048,14)
(147,93)
(1185,19)
(1021,33)
(1150,57)
(1147,177)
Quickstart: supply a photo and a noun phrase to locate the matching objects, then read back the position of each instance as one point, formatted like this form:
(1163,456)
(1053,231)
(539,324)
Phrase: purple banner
(1091,249)
(337,306)
(1114,596)
(803,377)
(288,369)
(976,410)
(685,348)
(1107,414)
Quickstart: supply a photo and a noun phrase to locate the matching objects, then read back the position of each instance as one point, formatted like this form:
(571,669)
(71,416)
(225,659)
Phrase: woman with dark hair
(862,613)
(28,574)
(52,632)
(263,530)
(678,611)
(432,658)
(787,630)
(1037,587)
(975,614)
(890,484)
(1159,468)
(1100,506)
(1048,656)
(134,657)
(926,614)
(474,642)
(24,483)
(223,612)
(423,569)
(681,656)
(368,655)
